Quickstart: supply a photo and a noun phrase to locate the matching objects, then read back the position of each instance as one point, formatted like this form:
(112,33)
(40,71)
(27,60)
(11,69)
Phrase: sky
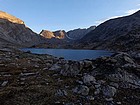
(67,14)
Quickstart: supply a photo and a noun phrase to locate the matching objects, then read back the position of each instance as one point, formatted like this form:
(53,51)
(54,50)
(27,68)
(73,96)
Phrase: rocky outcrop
(13,32)
(121,34)
(47,34)
(61,34)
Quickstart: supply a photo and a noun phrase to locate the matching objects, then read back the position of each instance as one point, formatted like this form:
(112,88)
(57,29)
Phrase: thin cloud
(103,20)
(99,21)
(128,12)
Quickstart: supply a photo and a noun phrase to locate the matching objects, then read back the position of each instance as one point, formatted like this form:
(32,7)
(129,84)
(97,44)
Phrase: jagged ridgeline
(121,34)
(13,32)
(75,34)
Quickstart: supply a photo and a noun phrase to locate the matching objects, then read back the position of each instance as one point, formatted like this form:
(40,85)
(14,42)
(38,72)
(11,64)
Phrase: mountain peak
(13,19)
(137,14)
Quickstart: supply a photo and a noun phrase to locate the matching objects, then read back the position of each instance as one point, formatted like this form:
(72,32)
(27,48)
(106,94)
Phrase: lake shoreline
(70,54)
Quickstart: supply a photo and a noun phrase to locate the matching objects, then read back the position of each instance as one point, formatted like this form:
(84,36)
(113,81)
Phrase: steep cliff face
(13,31)
(122,34)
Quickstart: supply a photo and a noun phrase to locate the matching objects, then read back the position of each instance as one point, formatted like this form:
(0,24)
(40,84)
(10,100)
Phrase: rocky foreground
(29,79)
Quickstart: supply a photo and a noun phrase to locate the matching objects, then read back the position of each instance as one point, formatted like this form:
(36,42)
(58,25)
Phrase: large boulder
(70,69)
(109,91)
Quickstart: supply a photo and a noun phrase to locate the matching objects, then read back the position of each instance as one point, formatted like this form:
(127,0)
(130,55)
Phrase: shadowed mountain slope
(116,34)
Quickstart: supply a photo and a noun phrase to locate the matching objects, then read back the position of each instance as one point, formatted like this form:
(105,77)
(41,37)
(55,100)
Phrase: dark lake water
(70,54)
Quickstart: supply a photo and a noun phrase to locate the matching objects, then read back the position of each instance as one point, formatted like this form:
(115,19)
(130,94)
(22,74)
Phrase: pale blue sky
(67,14)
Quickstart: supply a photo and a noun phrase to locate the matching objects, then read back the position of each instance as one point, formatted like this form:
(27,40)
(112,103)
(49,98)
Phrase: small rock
(22,79)
(45,68)
(91,98)
(70,70)
(61,93)
(57,102)
(55,67)
(36,66)
(69,103)
(118,103)
(97,86)
(7,75)
(49,61)
(2,64)
(116,85)
(83,90)
(129,66)
(136,55)
(97,91)
(87,63)
(128,60)
(109,91)
(87,79)
(4,83)
(22,83)
(109,99)
(27,74)
(59,80)
(79,82)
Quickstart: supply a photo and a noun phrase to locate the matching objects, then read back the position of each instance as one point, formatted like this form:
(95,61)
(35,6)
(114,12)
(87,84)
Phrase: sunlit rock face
(14,32)
(47,34)
(60,34)
(13,19)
